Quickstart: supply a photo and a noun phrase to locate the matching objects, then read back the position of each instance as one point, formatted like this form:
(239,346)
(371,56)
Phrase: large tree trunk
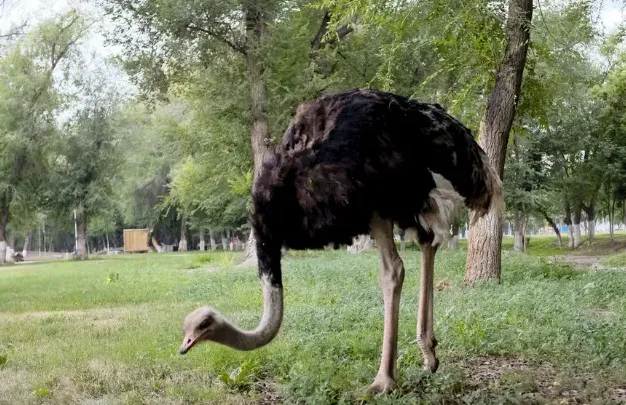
(259,132)
(519,231)
(576,224)
(212,240)
(484,260)
(591,221)
(453,242)
(81,226)
(182,245)
(256,31)
(202,244)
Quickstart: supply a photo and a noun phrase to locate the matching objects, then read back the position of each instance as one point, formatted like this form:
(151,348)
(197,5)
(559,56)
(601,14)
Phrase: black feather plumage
(348,155)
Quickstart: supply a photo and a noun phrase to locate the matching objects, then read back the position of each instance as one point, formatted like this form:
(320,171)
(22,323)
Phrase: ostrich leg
(425,333)
(390,277)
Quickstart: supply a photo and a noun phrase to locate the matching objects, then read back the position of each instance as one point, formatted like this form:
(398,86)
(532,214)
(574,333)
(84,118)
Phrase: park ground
(106,331)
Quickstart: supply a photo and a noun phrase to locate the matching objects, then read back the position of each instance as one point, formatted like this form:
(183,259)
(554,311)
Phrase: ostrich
(354,163)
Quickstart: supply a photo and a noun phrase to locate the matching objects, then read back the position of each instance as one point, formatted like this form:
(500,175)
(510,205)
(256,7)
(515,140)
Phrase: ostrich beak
(189,341)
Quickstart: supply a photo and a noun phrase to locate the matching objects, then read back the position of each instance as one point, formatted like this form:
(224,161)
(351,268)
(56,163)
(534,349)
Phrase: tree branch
(320,41)
(236,47)
(16,30)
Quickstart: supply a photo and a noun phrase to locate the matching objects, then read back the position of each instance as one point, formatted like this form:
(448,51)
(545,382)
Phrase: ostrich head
(203,324)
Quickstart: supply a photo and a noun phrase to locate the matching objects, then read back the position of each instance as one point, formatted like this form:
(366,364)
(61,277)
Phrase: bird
(352,163)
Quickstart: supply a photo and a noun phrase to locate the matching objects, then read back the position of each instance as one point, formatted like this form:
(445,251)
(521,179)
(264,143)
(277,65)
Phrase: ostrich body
(354,163)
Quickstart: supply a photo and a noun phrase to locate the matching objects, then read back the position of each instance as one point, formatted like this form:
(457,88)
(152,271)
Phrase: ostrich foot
(431,363)
(382,383)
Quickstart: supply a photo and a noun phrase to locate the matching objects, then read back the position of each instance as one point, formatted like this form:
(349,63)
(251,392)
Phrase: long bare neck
(240,339)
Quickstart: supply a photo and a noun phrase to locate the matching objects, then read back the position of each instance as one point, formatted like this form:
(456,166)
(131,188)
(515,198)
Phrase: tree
(28,100)
(485,244)
(86,162)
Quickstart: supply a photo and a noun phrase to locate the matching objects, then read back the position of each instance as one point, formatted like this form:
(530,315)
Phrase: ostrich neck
(268,327)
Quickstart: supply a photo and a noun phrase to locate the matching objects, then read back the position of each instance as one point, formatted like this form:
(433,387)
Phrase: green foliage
(240,378)
(4,357)
(87,156)
(29,99)
(113,278)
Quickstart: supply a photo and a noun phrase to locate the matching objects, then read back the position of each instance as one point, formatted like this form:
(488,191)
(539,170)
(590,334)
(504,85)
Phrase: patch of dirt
(443,285)
(99,318)
(599,312)
(584,262)
(576,260)
(207,269)
(268,392)
(539,380)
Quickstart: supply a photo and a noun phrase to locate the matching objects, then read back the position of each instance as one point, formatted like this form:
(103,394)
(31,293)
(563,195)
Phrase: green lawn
(107,331)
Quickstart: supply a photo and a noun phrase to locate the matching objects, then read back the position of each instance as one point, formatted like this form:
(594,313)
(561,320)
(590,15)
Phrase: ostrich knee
(425,317)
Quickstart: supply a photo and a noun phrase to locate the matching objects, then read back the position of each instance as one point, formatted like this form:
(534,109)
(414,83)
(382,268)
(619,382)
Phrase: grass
(106,331)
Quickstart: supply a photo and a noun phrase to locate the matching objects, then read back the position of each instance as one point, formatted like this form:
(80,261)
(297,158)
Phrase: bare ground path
(585,262)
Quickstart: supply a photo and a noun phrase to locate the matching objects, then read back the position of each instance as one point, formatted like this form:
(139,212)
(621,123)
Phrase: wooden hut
(136,240)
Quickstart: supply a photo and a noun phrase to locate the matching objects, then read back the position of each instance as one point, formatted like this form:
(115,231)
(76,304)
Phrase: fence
(136,240)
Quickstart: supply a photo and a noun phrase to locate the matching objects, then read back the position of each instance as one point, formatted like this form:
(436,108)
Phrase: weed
(199,261)
(557,271)
(43,393)
(113,278)
(240,378)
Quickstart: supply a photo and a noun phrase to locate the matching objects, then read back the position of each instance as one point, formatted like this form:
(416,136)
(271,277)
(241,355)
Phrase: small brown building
(136,240)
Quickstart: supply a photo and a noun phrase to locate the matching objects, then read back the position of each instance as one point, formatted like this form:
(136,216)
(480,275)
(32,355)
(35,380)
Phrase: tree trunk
(591,229)
(591,221)
(453,242)
(518,246)
(224,242)
(81,223)
(202,244)
(212,240)
(261,140)
(612,220)
(568,222)
(554,226)
(182,245)
(44,239)
(4,217)
(156,245)
(361,243)
(576,224)
(26,246)
(484,259)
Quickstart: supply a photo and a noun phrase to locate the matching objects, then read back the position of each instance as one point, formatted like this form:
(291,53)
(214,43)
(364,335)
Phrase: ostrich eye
(206,322)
